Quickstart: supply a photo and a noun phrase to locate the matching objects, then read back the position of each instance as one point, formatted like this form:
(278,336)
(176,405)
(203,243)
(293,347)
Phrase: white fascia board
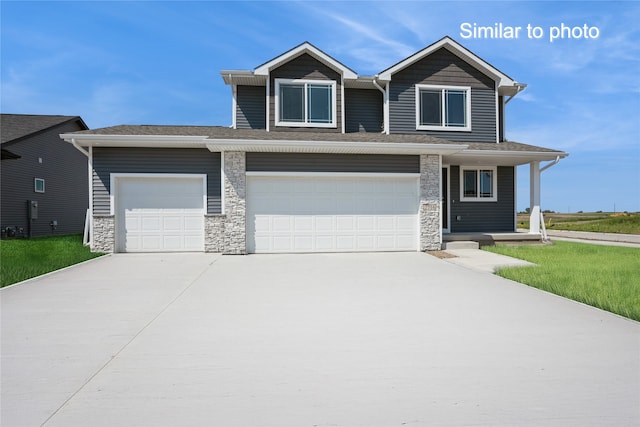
(175,141)
(243,77)
(457,50)
(306,47)
(340,147)
(498,153)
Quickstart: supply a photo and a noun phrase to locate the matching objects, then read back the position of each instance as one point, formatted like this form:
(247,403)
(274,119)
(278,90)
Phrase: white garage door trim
(392,226)
(177,229)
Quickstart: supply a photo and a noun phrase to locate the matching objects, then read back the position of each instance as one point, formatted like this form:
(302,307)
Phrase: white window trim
(35,185)
(494,184)
(331,83)
(443,127)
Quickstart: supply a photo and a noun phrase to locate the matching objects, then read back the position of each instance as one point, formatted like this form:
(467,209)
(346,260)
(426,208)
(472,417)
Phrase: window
(38,185)
(305,103)
(478,184)
(443,108)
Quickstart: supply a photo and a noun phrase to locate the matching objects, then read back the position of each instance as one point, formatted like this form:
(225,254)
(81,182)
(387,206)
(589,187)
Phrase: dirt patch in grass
(441,254)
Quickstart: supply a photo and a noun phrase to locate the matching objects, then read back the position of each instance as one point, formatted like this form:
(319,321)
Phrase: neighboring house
(38,167)
(320,159)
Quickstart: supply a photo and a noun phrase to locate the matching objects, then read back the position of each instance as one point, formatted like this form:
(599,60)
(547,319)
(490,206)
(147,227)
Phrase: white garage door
(332,213)
(157,214)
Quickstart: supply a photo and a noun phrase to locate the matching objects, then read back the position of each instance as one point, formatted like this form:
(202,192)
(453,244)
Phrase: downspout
(552,163)
(536,220)
(385,111)
(234,102)
(87,240)
(75,144)
(519,88)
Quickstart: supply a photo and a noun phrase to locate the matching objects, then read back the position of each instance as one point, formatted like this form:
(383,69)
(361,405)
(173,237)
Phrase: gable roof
(258,75)
(506,85)
(16,127)
(309,49)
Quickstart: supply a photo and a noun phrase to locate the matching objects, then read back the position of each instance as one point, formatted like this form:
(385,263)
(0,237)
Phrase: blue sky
(151,62)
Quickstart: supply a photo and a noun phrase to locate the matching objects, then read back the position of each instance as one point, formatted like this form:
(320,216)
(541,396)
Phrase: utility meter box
(33,209)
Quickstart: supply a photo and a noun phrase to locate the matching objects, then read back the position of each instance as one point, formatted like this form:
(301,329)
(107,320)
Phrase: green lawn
(22,259)
(607,277)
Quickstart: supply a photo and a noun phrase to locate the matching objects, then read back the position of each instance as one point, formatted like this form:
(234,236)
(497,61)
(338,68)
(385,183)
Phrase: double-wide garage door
(160,214)
(328,213)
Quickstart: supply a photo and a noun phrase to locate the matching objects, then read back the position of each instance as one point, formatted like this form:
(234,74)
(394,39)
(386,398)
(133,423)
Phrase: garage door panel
(329,214)
(303,223)
(345,223)
(303,242)
(282,243)
(160,214)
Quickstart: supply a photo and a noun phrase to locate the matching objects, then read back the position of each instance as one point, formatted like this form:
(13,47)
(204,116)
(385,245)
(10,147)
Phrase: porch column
(534,197)
(234,203)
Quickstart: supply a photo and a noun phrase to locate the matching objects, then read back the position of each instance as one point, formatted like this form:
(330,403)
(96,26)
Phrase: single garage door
(327,213)
(160,214)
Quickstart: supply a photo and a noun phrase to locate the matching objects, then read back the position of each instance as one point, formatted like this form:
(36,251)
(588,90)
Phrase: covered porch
(502,154)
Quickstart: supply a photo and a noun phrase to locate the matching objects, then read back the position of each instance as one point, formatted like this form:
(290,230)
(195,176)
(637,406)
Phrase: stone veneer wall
(235,183)
(104,234)
(430,232)
(214,233)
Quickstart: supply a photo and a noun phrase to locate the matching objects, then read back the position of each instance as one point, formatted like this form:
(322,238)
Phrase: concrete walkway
(483,261)
(632,240)
(385,339)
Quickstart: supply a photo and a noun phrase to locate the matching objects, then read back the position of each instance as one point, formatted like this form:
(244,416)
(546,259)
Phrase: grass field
(601,222)
(23,259)
(607,277)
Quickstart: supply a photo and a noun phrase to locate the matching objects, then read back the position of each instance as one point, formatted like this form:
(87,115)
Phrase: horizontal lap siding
(250,107)
(296,162)
(305,67)
(363,110)
(64,169)
(484,216)
(153,160)
(444,68)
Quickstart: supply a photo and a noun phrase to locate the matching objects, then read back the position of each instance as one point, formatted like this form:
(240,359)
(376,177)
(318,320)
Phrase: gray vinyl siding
(484,216)
(300,162)
(251,110)
(154,160)
(64,169)
(444,68)
(363,110)
(305,67)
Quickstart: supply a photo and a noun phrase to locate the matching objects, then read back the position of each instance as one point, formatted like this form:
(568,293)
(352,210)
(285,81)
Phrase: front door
(445,199)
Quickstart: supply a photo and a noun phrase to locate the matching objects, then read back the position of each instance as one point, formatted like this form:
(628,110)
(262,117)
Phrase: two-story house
(43,180)
(320,159)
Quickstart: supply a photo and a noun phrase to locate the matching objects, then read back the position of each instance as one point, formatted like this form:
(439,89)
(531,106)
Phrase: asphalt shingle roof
(220,132)
(17,126)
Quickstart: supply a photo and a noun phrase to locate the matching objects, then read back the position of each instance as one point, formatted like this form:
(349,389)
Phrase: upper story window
(305,103)
(478,184)
(443,108)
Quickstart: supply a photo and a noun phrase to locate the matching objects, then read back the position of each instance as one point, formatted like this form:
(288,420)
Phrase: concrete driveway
(308,340)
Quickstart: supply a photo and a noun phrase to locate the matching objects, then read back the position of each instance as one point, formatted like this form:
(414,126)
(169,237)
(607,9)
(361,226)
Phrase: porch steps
(460,244)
